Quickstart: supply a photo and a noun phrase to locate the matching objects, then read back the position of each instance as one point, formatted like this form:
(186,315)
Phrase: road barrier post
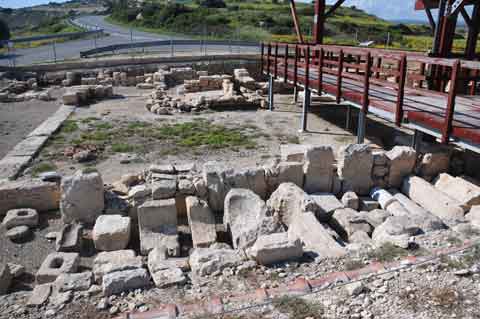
(54,51)
(171,48)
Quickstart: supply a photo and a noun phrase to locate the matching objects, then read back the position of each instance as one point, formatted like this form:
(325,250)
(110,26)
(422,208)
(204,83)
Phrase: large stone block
(157,221)
(328,204)
(164,274)
(30,193)
(207,261)
(112,261)
(289,202)
(402,163)
(120,281)
(111,232)
(82,197)
(355,168)
(395,230)
(318,169)
(74,282)
(351,200)
(467,193)
(275,248)
(70,238)
(346,222)
(293,152)
(278,173)
(246,216)
(201,221)
(252,178)
(56,264)
(314,236)
(438,203)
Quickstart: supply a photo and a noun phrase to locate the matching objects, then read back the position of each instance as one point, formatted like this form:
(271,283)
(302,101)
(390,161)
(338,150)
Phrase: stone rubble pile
(83,94)
(310,202)
(19,91)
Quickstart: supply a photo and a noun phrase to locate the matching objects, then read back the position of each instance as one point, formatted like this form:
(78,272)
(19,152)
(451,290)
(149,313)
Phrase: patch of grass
(89,170)
(297,308)
(89,119)
(42,167)
(103,126)
(288,139)
(96,136)
(69,126)
(387,252)
(445,297)
(123,148)
(203,133)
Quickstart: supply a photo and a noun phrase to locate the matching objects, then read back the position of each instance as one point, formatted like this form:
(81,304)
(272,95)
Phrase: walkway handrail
(146,44)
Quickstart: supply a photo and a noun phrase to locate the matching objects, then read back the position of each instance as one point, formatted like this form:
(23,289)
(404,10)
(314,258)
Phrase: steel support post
(417,140)
(348,117)
(362,123)
(306,106)
(270,92)
(295,94)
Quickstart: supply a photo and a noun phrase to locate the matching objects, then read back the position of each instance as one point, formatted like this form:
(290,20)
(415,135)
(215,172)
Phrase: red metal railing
(401,72)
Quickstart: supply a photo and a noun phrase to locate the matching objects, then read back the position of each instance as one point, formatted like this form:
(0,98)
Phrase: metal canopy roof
(433,4)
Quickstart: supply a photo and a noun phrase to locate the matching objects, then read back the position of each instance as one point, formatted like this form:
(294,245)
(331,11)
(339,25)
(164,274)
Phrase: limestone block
(82,197)
(164,189)
(213,176)
(433,164)
(315,237)
(35,194)
(467,193)
(19,217)
(207,261)
(74,282)
(288,201)
(56,264)
(70,98)
(157,221)
(113,261)
(163,274)
(424,219)
(39,295)
(70,238)
(120,281)
(368,204)
(395,230)
(293,152)
(351,200)
(252,178)
(375,217)
(402,163)
(111,232)
(355,168)
(284,172)
(201,221)
(346,221)
(318,169)
(474,216)
(328,204)
(275,248)
(245,215)
(438,203)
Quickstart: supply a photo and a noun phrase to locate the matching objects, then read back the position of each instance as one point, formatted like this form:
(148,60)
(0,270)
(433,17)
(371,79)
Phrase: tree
(4,31)
(213,4)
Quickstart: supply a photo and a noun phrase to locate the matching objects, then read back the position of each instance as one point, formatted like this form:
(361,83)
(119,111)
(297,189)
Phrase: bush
(4,31)
(213,4)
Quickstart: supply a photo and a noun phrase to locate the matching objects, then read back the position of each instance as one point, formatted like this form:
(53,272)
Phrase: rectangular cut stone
(112,261)
(56,264)
(51,125)
(117,282)
(327,202)
(12,166)
(29,146)
(318,169)
(314,236)
(31,193)
(467,193)
(355,168)
(293,152)
(201,221)
(433,200)
(402,161)
(157,222)
(275,248)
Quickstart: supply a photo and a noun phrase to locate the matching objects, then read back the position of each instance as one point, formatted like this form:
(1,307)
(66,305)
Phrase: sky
(391,9)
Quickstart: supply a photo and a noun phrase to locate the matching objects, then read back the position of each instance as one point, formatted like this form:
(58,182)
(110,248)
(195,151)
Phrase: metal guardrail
(52,36)
(171,43)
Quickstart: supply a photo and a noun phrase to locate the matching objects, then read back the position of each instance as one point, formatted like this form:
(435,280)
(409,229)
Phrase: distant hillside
(254,20)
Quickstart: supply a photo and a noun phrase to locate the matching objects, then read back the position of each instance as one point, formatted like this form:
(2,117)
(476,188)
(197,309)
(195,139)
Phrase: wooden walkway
(392,85)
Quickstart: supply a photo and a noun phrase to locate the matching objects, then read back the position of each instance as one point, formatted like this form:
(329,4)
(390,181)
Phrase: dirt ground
(128,138)
(18,119)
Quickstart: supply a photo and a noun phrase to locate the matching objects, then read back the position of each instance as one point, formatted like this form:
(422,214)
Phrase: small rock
(50,313)
(16,270)
(463,273)
(113,310)
(51,235)
(355,289)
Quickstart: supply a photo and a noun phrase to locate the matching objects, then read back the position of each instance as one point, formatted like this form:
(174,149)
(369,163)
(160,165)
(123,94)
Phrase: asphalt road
(71,49)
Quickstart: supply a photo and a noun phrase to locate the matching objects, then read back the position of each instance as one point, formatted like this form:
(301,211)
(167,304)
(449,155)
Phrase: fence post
(362,115)
(320,72)
(285,65)
(275,61)
(306,92)
(262,54)
(269,51)
(54,51)
(171,48)
(452,94)
(401,91)
(295,68)
(339,77)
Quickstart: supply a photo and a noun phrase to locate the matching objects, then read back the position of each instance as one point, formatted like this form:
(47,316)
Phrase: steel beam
(270,92)
(333,8)
(293,10)
(319,21)
(473,32)
(306,106)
